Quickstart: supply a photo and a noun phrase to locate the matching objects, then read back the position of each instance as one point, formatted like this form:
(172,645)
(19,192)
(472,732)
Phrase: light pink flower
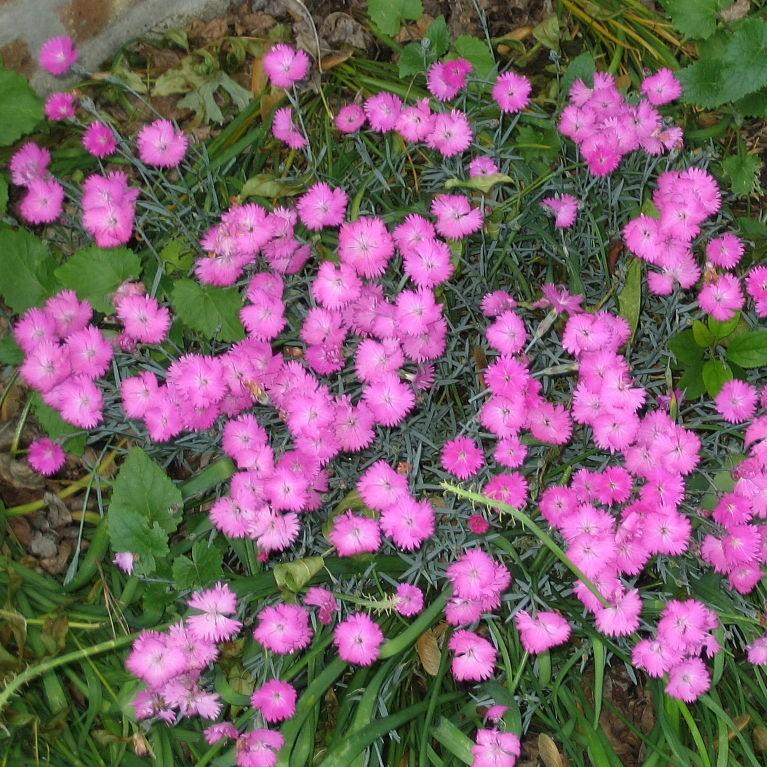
(284,65)
(276,700)
(540,633)
(358,639)
(46,456)
(161,144)
(473,657)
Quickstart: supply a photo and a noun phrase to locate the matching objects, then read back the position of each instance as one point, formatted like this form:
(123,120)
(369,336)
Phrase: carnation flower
(565,209)
(721,298)
(409,523)
(161,144)
(445,79)
(451,134)
(358,639)
(662,87)
(284,65)
(284,129)
(495,749)
(350,118)
(45,456)
(736,401)
(283,628)
(215,605)
(725,251)
(757,651)
(462,457)
(482,166)
(473,657)
(409,600)
(512,92)
(544,631)
(58,54)
(60,106)
(99,140)
(353,534)
(276,700)
(30,163)
(382,111)
(321,206)
(688,680)
(366,246)
(258,748)
(456,218)
(43,202)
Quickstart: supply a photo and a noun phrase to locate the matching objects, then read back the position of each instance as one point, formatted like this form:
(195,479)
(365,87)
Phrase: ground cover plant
(419,416)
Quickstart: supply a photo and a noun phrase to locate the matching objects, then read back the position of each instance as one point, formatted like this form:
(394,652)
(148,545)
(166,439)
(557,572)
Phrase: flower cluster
(606,127)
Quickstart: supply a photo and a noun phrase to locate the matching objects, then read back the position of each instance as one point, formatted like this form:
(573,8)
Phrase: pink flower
(725,251)
(324,599)
(545,630)
(430,264)
(283,628)
(284,129)
(478,524)
(482,166)
(43,202)
(757,651)
(409,600)
(565,209)
(353,534)
(445,79)
(276,700)
(60,106)
(285,66)
(365,245)
(496,749)
(215,604)
(382,111)
(389,399)
(507,334)
(46,456)
(258,748)
(58,54)
(512,92)
(415,123)
(220,731)
(722,297)
(462,457)
(154,659)
(621,618)
(477,576)
(144,319)
(358,639)
(736,401)
(381,487)
(81,402)
(99,140)
(451,134)
(30,163)
(350,118)
(161,144)
(662,87)
(125,560)
(473,657)
(456,218)
(688,680)
(321,206)
(408,523)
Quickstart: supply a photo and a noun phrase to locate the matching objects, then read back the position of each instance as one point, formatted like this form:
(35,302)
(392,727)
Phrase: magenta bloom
(283,628)
(446,78)
(43,202)
(220,731)
(451,134)
(144,319)
(215,605)
(350,118)
(456,218)
(276,700)
(382,111)
(662,87)
(565,209)
(58,54)
(284,129)
(366,245)
(322,205)
(725,251)
(353,534)
(99,140)
(328,605)
(482,166)
(45,456)
(161,144)
(512,92)
(495,749)
(60,106)
(358,639)
(30,163)
(757,651)
(285,65)
(473,657)
(545,630)
(258,748)
(736,402)
(409,523)
(688,680)
(462,457)
(721,298)
(409,600)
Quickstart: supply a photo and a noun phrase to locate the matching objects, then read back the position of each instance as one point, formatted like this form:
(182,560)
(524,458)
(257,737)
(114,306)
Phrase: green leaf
(387,15)
(749,350)
(96,273)
(702,334)
(293,576)
(694,18)
(481,183)
(582,67)
(438,36)
(266,185)
(214,312)
(57,428)
(201,570)
(20,108)
(752,228)
(26,269)
(476,51)
(721,330)
(754,104)
(703,83)
(685,349)
(453,740)
(745,70)
(3,194)
(692,380)
(10,352)
(547,32)
(630,297)
(176,256)
(742,171)
(412,60)
(144,507)
(715,375)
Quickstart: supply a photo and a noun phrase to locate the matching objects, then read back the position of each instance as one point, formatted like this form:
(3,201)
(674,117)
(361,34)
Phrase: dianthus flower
(30,163)
(725,251)
(358,639)
(58,54)
(620,618)
(43,202)
(482,166)
(284,65)
(45,456)
(258,748)
(416,122)
(688,680)
(283,628)
(493,748)
(756,286)
(722,297)
(144,319)
(473,657)
(328,605)
(322,206)
(161,144)
(451,134)
(565,209)
(353,534)
(545,630)
(512,92)
(409,600)
(99,140)
(382,111)
(408,523)
(276,700)
(365,245)
(284,129)
(350,118)
(662,87)
(445,79)
(462,457)
(757,651)
(215,605)
(736,401)
(60,106)
(456,218)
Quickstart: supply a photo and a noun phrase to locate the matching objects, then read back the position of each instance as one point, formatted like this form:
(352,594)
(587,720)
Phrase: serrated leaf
(742,170)
(749,350)
(214,312)
(752,228)
(685,349)
(73,439)
(438,36)
(176,256)
(476,51)
(547,32)
(26,269)
(96,273)
(201,570)
(630,297)
(20,107)
(745,70)
(754,104)
(387,15)
(412,60)
(691,383)
(702,334)
(144,507)
(291,577)
(703,83)
(715,375)
(721,330)
(694,18)
(582,67)
(10,352)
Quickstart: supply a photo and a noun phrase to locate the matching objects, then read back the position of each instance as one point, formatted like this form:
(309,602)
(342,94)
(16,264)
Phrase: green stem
(529,525)
(32,672)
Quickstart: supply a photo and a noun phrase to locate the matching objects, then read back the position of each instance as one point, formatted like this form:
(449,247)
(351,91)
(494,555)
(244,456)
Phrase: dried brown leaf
(548,752)
(428,652)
